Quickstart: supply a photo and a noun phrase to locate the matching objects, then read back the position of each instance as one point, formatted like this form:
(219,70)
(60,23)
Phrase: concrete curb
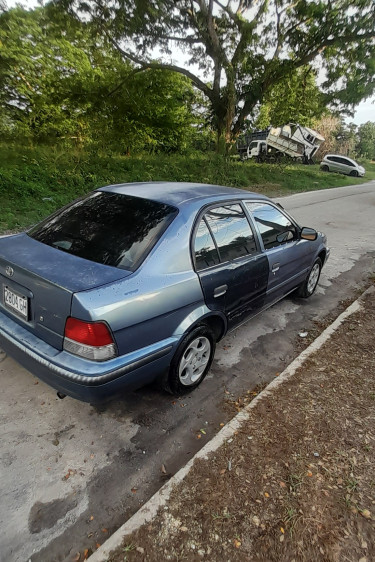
(149,510)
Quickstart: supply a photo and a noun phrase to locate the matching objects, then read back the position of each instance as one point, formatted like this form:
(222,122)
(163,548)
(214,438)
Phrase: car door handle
(220,291)
(275,267)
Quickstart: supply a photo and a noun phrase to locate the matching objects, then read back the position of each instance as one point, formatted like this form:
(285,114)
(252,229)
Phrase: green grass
(36,181)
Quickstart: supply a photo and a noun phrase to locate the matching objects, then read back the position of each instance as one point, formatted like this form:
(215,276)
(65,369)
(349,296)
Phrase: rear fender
(203,315)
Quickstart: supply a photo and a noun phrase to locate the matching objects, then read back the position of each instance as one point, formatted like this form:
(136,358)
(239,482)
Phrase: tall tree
(59,80)
(366,143)
(244,47)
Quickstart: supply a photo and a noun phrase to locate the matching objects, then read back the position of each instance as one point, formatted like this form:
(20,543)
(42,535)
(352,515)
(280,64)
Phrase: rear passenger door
(289,257)
(232,269)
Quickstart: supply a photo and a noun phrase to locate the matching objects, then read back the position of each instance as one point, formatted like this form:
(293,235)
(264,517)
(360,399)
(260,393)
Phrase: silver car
(342,165)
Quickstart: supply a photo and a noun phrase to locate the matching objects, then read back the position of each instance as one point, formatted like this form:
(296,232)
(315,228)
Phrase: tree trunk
(230,108)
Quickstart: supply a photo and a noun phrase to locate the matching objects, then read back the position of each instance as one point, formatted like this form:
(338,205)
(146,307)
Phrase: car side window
(274,227)
(206,254)
(231,231)
(347,162)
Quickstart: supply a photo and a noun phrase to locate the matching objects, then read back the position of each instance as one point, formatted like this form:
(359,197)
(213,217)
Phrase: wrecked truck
(292,141)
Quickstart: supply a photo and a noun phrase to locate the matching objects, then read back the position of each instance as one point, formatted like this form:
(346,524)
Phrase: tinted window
(108,228)
(346,162)
(205,251)
(274,227)
(232,232)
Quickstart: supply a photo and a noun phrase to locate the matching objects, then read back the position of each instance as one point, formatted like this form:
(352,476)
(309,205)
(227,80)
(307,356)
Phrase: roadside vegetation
(36,181)
(78,112)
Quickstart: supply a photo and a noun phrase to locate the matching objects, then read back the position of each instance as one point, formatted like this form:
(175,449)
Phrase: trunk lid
(43,279)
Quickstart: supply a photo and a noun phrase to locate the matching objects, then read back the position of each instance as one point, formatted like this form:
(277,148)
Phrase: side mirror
(308,233)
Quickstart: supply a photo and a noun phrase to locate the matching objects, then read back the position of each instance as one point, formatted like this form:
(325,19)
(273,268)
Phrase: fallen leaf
(163,469)
(202,431)
(199,436)
(91,518)
(104,530)
(86,554)
(282,537)
(237,543)
(266,494)
(226,391)
(223,470)
(77,557)
(221,425)
(309,473)
(282,530)
(134,490)
(183,529)
(282,484)
(97,545)
(366,513)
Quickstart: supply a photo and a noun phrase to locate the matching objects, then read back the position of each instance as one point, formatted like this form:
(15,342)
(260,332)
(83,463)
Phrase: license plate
(16,302)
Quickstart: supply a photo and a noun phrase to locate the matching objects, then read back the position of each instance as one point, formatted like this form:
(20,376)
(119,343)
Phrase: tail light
(91,340)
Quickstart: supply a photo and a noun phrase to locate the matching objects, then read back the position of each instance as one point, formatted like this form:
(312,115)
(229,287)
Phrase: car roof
(341,156)
(177,193)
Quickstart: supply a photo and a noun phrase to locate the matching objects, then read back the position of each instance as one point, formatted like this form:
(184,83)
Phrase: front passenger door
(289,257)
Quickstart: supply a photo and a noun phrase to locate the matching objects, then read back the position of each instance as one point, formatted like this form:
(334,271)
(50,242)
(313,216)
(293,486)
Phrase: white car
(342,165)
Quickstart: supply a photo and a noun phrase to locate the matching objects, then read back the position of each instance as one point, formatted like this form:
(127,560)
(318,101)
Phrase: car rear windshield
(108,228)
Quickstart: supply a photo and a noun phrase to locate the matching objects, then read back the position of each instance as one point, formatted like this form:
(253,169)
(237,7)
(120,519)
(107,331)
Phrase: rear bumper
(80,378)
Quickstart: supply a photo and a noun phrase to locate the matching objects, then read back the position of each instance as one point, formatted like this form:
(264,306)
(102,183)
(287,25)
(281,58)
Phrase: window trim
(198,219)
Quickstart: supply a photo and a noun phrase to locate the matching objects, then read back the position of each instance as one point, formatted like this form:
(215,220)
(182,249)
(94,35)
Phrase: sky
(365,111)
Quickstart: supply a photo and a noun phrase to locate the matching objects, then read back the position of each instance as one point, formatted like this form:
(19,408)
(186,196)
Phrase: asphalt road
(70,474)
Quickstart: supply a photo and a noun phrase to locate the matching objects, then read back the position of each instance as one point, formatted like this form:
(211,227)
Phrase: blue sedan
(137,282)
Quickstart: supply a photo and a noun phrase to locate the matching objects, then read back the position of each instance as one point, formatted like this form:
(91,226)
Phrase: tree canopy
(60,80)
(243,48)
(366,140)
(295,100)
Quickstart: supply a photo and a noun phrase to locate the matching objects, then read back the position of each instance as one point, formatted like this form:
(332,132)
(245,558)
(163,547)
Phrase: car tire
(354,174)
(324,168)
(191,362)
(309,285)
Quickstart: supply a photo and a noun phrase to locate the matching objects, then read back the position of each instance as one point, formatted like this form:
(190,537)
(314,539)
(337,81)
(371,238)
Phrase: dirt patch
(296,483)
